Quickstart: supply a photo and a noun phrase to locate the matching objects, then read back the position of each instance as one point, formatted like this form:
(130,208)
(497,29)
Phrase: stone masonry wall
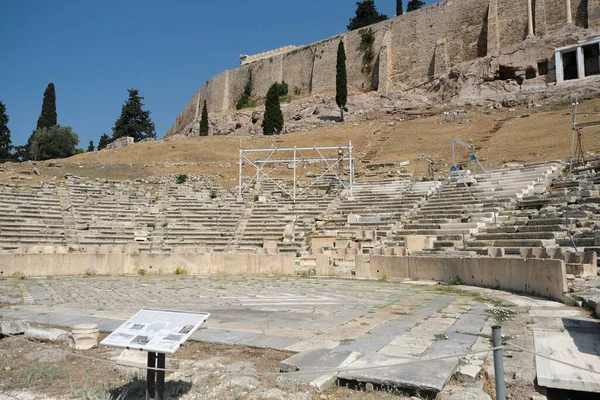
(409,50)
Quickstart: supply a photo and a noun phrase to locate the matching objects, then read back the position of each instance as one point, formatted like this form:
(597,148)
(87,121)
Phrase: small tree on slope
(366,14)
(204,121)
(134,121)
(104,140)
(414,5)
(399,7)
(341,80)
(5,142)
(273,118)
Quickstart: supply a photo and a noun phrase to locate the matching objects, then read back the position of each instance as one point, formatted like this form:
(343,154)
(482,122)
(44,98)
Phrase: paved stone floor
(358,323)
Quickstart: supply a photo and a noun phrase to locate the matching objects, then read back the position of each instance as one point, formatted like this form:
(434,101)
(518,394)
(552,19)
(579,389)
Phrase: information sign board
(158,331)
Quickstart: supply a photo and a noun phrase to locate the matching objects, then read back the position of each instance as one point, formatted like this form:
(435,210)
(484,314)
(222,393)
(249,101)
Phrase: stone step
(515,236)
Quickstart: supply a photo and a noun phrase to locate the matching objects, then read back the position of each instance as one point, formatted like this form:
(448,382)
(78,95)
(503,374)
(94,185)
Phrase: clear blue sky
(94,51)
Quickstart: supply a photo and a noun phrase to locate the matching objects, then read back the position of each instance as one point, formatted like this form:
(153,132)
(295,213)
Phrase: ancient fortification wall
(409,50)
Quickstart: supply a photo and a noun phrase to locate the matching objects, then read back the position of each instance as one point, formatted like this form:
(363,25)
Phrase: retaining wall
(538,277)
(409,49)
(155,264)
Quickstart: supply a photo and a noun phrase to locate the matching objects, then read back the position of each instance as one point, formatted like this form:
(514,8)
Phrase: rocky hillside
(505,78)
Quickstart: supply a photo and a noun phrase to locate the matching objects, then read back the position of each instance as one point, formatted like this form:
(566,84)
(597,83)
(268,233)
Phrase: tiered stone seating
(378,205)
(196,216)
(113,213)
(510,208)
(546,219)
(269,218)
(30,216)
(459,212)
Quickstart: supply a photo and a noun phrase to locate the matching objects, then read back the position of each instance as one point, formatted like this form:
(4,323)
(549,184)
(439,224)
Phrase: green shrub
(256,197)
(455,281)
(298,254)
(282,89)
(244,101)
(368,56)
(213,194)
(383,278)
(181,179)
(152,225)
(571,302)
(142,272)
(54,142)
(367,37)
(180,271)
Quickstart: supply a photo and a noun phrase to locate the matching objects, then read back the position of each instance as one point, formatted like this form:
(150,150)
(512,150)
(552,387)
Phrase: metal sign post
(159,332)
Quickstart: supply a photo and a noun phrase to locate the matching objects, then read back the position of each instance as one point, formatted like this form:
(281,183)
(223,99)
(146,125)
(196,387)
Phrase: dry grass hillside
(517,135)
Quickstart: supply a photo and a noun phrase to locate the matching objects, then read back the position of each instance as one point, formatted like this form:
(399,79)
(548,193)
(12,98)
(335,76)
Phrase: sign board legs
(155,380)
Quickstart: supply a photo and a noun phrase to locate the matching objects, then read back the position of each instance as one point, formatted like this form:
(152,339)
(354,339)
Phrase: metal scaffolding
(293,156)
(473,160)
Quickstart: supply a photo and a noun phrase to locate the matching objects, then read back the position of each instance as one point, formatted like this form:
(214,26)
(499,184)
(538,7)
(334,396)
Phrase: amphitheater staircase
(458,214)
(564,216)
(238,233)
(158,233)
(66,210)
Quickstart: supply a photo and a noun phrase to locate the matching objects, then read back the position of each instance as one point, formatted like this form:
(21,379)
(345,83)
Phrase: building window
(569,59)
(542,67)
(591,60)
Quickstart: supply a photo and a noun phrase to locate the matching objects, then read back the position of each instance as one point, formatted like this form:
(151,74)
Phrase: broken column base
(84,337)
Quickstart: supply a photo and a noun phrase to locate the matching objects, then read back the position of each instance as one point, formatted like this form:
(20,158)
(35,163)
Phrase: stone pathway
(330,323)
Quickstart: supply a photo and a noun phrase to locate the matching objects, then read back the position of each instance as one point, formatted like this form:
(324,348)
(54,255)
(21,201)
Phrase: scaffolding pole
(345,153)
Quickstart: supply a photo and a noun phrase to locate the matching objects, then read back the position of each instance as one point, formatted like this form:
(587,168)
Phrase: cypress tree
(366,14)
(273,118)
(5,142)
(204,121)
(414,5)
(341,80)
(134,121)
(90,146)
(399,7)
(48,117)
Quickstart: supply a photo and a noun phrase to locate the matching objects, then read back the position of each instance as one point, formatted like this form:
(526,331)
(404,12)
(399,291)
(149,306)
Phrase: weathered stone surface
(427,376)
(211,364)
(131,364)
(47,355)
(13,326)
(120,142)
(276,394)
(462,393)
(317,358)
(267,394)
(46,335)
(241,367)
(241,382)
(575,342)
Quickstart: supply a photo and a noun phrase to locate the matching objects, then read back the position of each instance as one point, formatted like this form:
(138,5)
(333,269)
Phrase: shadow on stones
(393,390)
(584,333)
(136,390)
(329,118)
